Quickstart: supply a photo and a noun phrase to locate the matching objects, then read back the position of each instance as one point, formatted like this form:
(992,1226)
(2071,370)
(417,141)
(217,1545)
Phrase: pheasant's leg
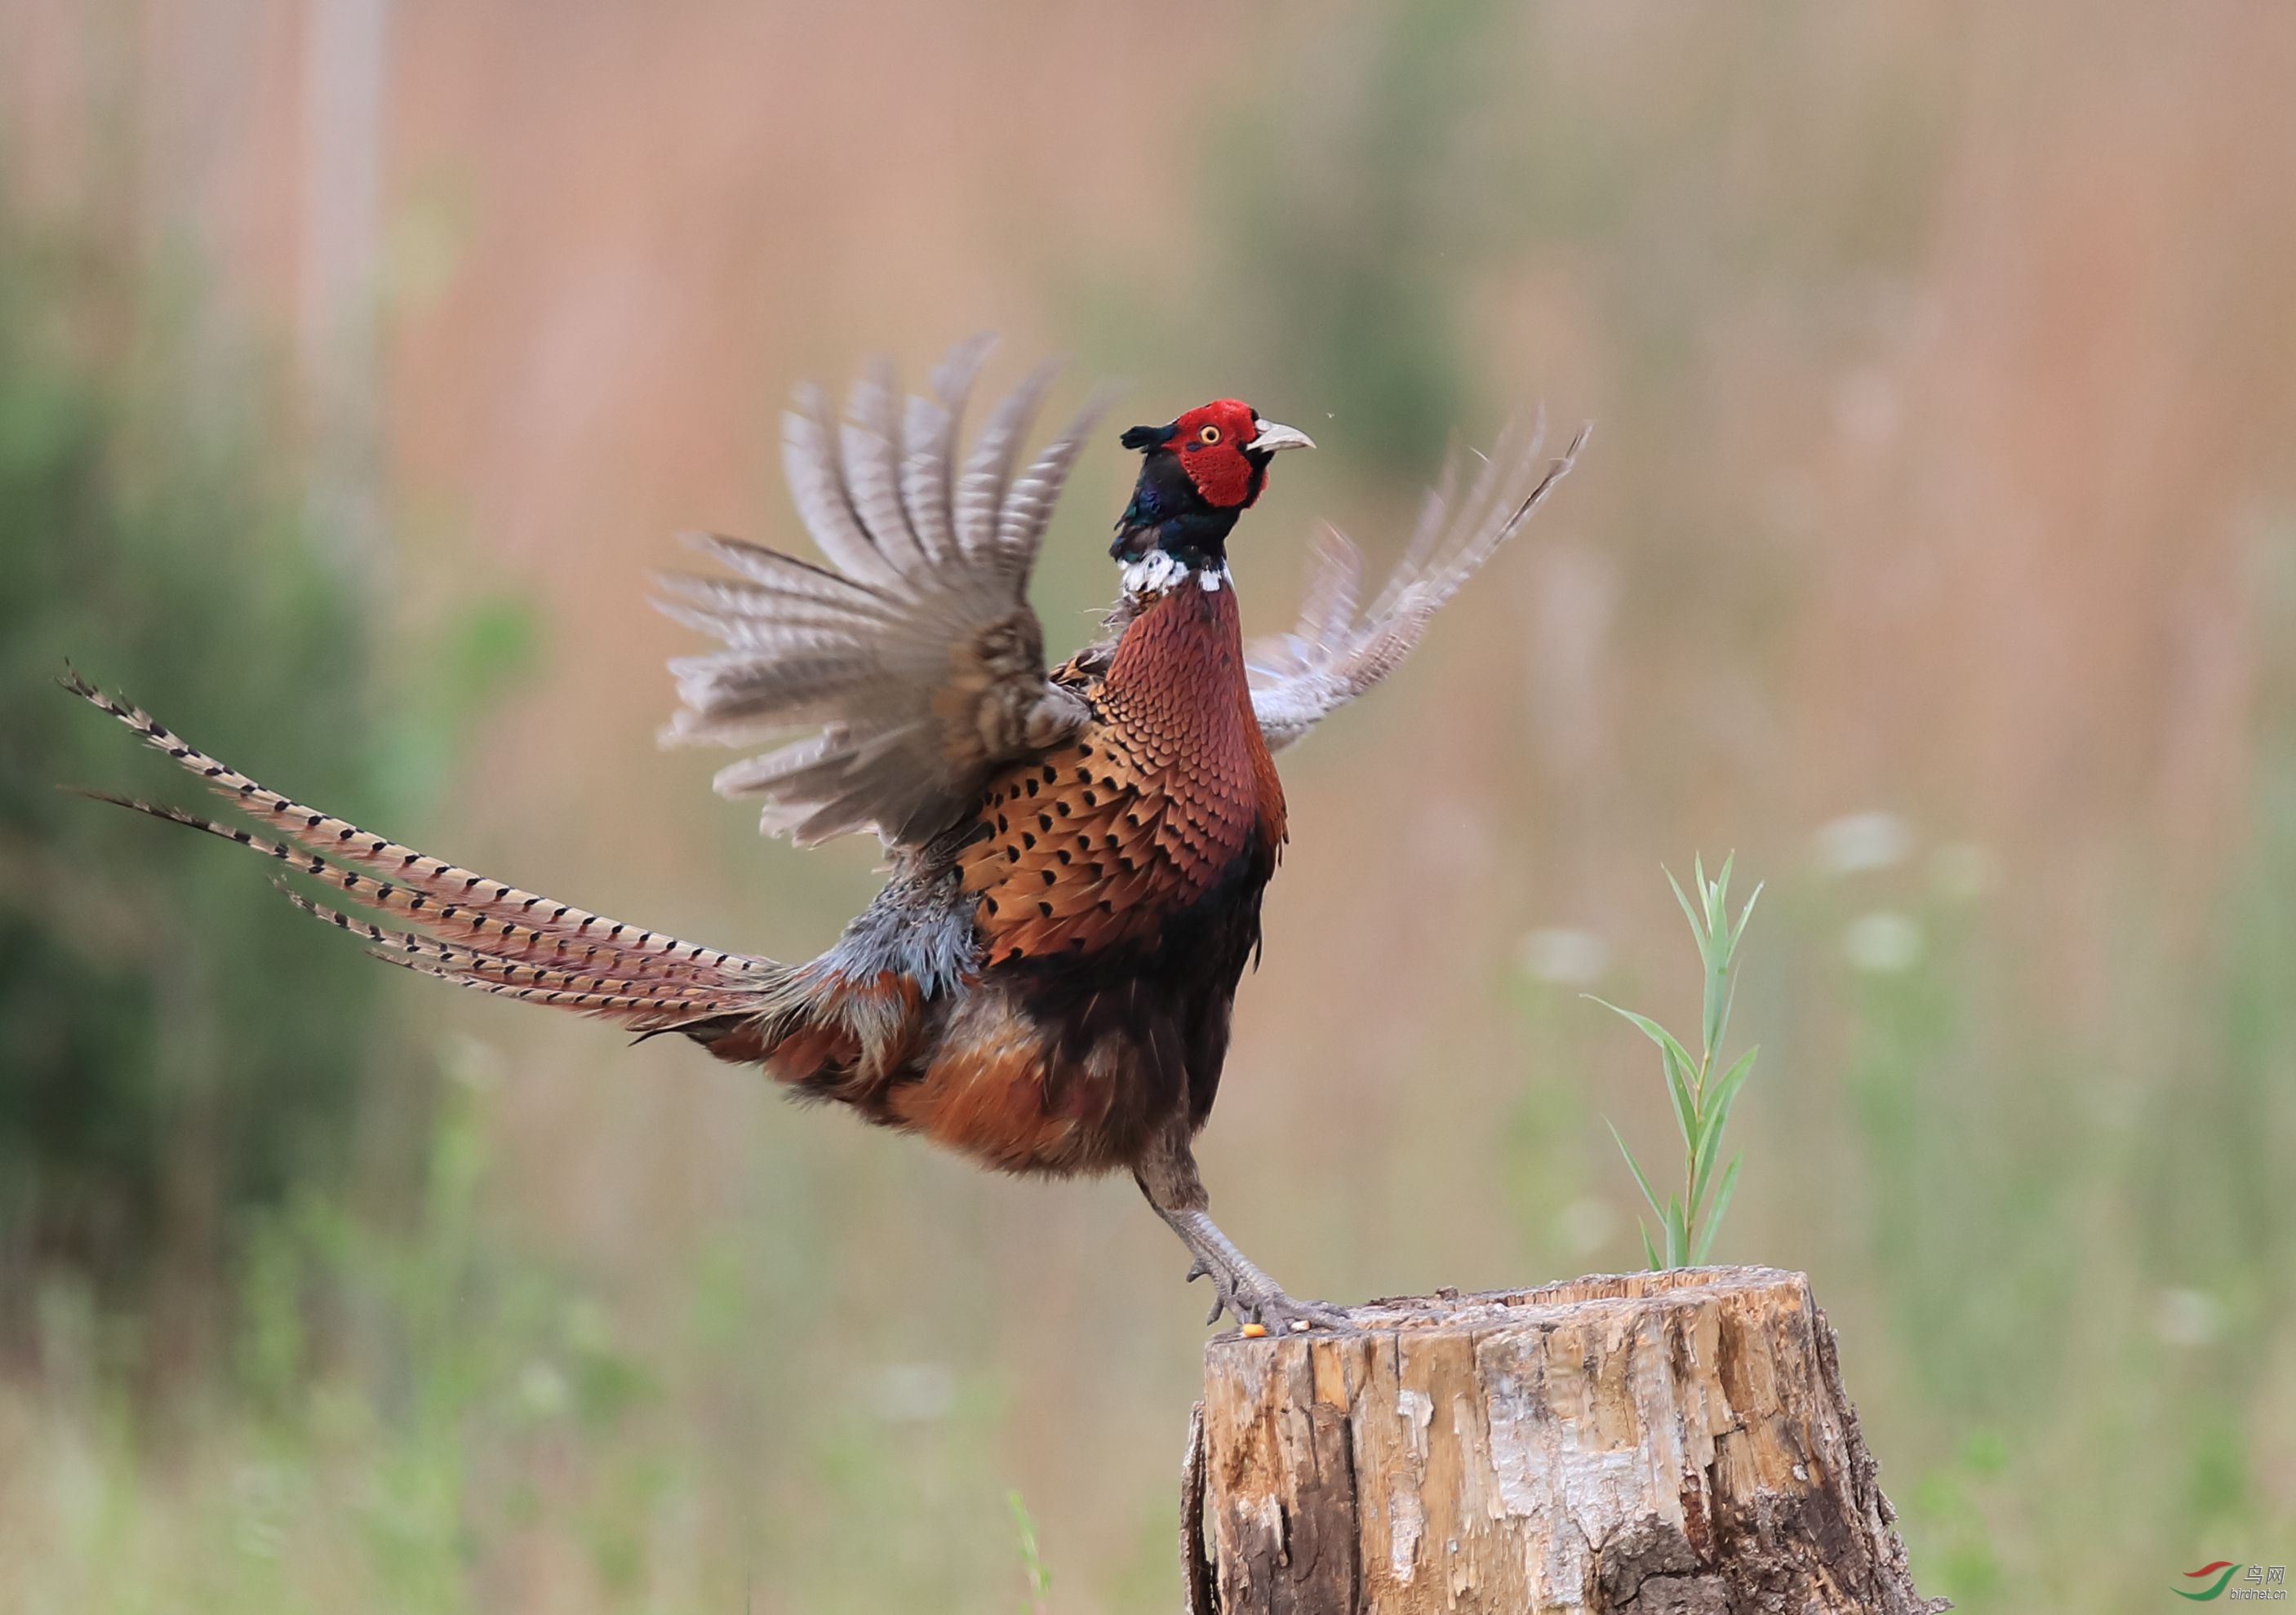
(1169,1178)
(1243,1291)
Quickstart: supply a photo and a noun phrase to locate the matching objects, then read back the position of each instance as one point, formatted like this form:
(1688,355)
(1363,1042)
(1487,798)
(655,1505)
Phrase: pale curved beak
(1267,437)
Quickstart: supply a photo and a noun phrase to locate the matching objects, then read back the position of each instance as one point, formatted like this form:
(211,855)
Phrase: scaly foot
(1250,1296)
(1239,1288)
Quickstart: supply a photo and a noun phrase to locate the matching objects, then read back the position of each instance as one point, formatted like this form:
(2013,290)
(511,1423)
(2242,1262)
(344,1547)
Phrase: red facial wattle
(1210,441)
(1197,475)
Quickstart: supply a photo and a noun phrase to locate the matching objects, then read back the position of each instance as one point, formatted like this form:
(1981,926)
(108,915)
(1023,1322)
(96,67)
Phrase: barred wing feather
(1335,653)
(901,674)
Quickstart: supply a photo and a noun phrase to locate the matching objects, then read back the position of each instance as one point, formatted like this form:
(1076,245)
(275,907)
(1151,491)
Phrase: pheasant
(1076,856)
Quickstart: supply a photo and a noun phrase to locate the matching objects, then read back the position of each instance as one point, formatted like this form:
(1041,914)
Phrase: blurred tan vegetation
(1936,551)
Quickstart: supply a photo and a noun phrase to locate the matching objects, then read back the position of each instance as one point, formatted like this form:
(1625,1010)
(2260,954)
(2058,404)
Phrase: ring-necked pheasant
(1078,855)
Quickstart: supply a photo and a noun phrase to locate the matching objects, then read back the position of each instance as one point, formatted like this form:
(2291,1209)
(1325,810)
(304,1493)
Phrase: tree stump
(1665,1443)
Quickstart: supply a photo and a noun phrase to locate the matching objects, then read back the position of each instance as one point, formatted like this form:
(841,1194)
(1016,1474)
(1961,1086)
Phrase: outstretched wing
(1337,653)
(911,666)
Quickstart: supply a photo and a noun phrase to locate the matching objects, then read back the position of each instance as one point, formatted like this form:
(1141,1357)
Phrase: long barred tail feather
(548,985)
(464,928)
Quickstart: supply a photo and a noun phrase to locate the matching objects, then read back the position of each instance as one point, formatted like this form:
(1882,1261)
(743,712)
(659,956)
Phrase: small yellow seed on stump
(1252,1331)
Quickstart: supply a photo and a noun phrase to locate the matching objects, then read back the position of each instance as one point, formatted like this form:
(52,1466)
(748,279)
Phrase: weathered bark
(1663,1443)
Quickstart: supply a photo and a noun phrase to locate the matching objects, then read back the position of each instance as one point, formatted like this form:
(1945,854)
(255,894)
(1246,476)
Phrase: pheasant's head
(1197,476)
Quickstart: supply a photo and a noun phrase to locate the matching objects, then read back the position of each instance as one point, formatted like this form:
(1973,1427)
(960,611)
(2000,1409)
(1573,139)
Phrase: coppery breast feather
(1141,816)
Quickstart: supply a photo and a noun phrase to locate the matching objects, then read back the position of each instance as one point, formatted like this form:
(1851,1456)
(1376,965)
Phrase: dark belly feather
(1117,884)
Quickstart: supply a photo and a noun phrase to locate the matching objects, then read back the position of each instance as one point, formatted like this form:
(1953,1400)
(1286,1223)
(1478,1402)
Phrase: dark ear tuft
(1146,437)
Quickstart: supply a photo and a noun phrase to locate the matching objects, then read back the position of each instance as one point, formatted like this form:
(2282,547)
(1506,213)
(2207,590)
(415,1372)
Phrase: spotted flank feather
(460,926)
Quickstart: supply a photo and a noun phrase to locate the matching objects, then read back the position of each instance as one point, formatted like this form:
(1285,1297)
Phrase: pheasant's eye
(1210,434)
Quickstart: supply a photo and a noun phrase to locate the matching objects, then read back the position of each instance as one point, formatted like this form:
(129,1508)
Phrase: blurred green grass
(146,1094)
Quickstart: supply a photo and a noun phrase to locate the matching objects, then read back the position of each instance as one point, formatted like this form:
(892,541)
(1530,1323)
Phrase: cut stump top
(1675,1441)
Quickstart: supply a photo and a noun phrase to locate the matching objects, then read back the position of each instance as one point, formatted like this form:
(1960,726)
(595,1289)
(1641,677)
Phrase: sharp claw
(1253,1299)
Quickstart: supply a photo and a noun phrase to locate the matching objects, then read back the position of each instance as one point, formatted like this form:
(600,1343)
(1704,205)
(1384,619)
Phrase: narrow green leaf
(1714,1213)
(1649,1251)
(1678,1088)
(1714,956)
(1745,914)
(1677,1234)
(1653,1030)
(1716,1114)
(1727,1089)
(1702,1165)
(1722,1026)
(1632,1166)
(1697,932)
